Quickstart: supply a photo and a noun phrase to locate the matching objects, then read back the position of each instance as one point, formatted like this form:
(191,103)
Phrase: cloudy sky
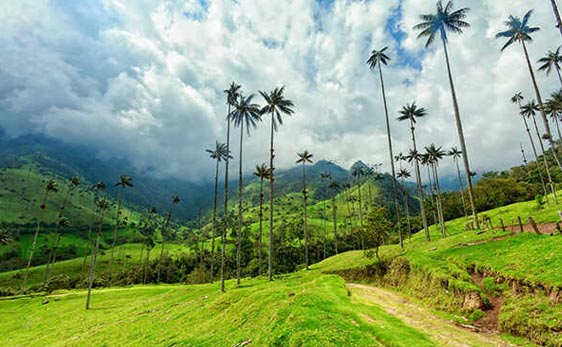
(144,79)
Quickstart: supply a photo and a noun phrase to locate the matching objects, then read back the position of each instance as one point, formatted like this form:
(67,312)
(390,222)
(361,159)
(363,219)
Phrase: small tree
(376,230)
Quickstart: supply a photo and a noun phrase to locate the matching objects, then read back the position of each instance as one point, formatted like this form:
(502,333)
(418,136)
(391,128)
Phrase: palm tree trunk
(87,250)
(214,222)
(53,252)
(115,234)
(240,222)
(393,169)
(324,221)
(543,113)
(431,195)
(146,263)
(93,262)
(260,245)
(406,205)
(420,190)
(32,250)
(537,161)
(557,15)
(546,165)
(439,202)
(360,202)
(557,122)
(304,215)
(271,197)
(526,163)
(225,212)
(461,186)
(558,74)
(461,139)
(334,215)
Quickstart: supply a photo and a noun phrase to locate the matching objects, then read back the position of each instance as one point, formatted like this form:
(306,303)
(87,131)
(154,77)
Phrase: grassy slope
(303,309)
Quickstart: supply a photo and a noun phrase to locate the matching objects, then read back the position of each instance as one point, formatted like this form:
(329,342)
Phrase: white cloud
(143,80)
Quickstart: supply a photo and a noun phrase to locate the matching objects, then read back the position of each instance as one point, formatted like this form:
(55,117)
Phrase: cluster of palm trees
(243,113)
(446,20)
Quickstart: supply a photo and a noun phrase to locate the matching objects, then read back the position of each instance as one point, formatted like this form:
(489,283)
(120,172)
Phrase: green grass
(302,309)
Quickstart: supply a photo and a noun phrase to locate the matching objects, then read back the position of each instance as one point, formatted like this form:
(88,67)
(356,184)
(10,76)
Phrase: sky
(143,80)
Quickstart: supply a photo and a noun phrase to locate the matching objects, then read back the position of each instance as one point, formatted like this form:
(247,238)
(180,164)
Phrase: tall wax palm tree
(377,59)
(219,154)
(74,183)
(249,114)
(518,99)
(335,187)
(403,175)
(164,233)
(525,162)
(232,96)
(96,188)
(530,111)
(262,172)
(411,113)
(520,31)
(444,20)
(103,205)
(349,218)
(435,154)
(51,186)
(305,157)
(147,230)
(276,105)
(552,60)
(456,154)
(556,15)
(124,182)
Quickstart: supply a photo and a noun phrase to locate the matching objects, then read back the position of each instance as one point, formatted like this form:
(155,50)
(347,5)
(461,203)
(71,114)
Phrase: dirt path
(441,331)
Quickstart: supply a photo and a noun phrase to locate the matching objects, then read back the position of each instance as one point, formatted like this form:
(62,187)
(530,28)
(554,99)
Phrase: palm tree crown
(530,109)
(246,112)
(219,153)
(262,172)
(124,181)
(404,174)
(445,19)
(411,112)
(276,104)
(378,57)
(232,94)
(551,60)
(518,30)
(517,98)
(455,153)
(434,153)
(304,157)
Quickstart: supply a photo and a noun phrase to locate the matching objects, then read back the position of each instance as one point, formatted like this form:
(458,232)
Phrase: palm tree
(74,183)
(219,154)
(249,114)
(403,175)
(377,59)
(103,205)
(349,218)
(262,172)
(439,23)
(520,31)
(147,230)
(556,15)
(51,186)
(412,112)
(430,204)
(530,111)
(96,188)
(304,157)
(435,154)
(552,60)
(164,233)
(525,162)
(124,182)
(277,106)
(517,99)
(232,95)
(335,187)
(456,154)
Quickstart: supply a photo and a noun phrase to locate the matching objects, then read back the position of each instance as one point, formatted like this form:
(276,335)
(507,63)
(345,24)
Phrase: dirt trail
(441,331)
